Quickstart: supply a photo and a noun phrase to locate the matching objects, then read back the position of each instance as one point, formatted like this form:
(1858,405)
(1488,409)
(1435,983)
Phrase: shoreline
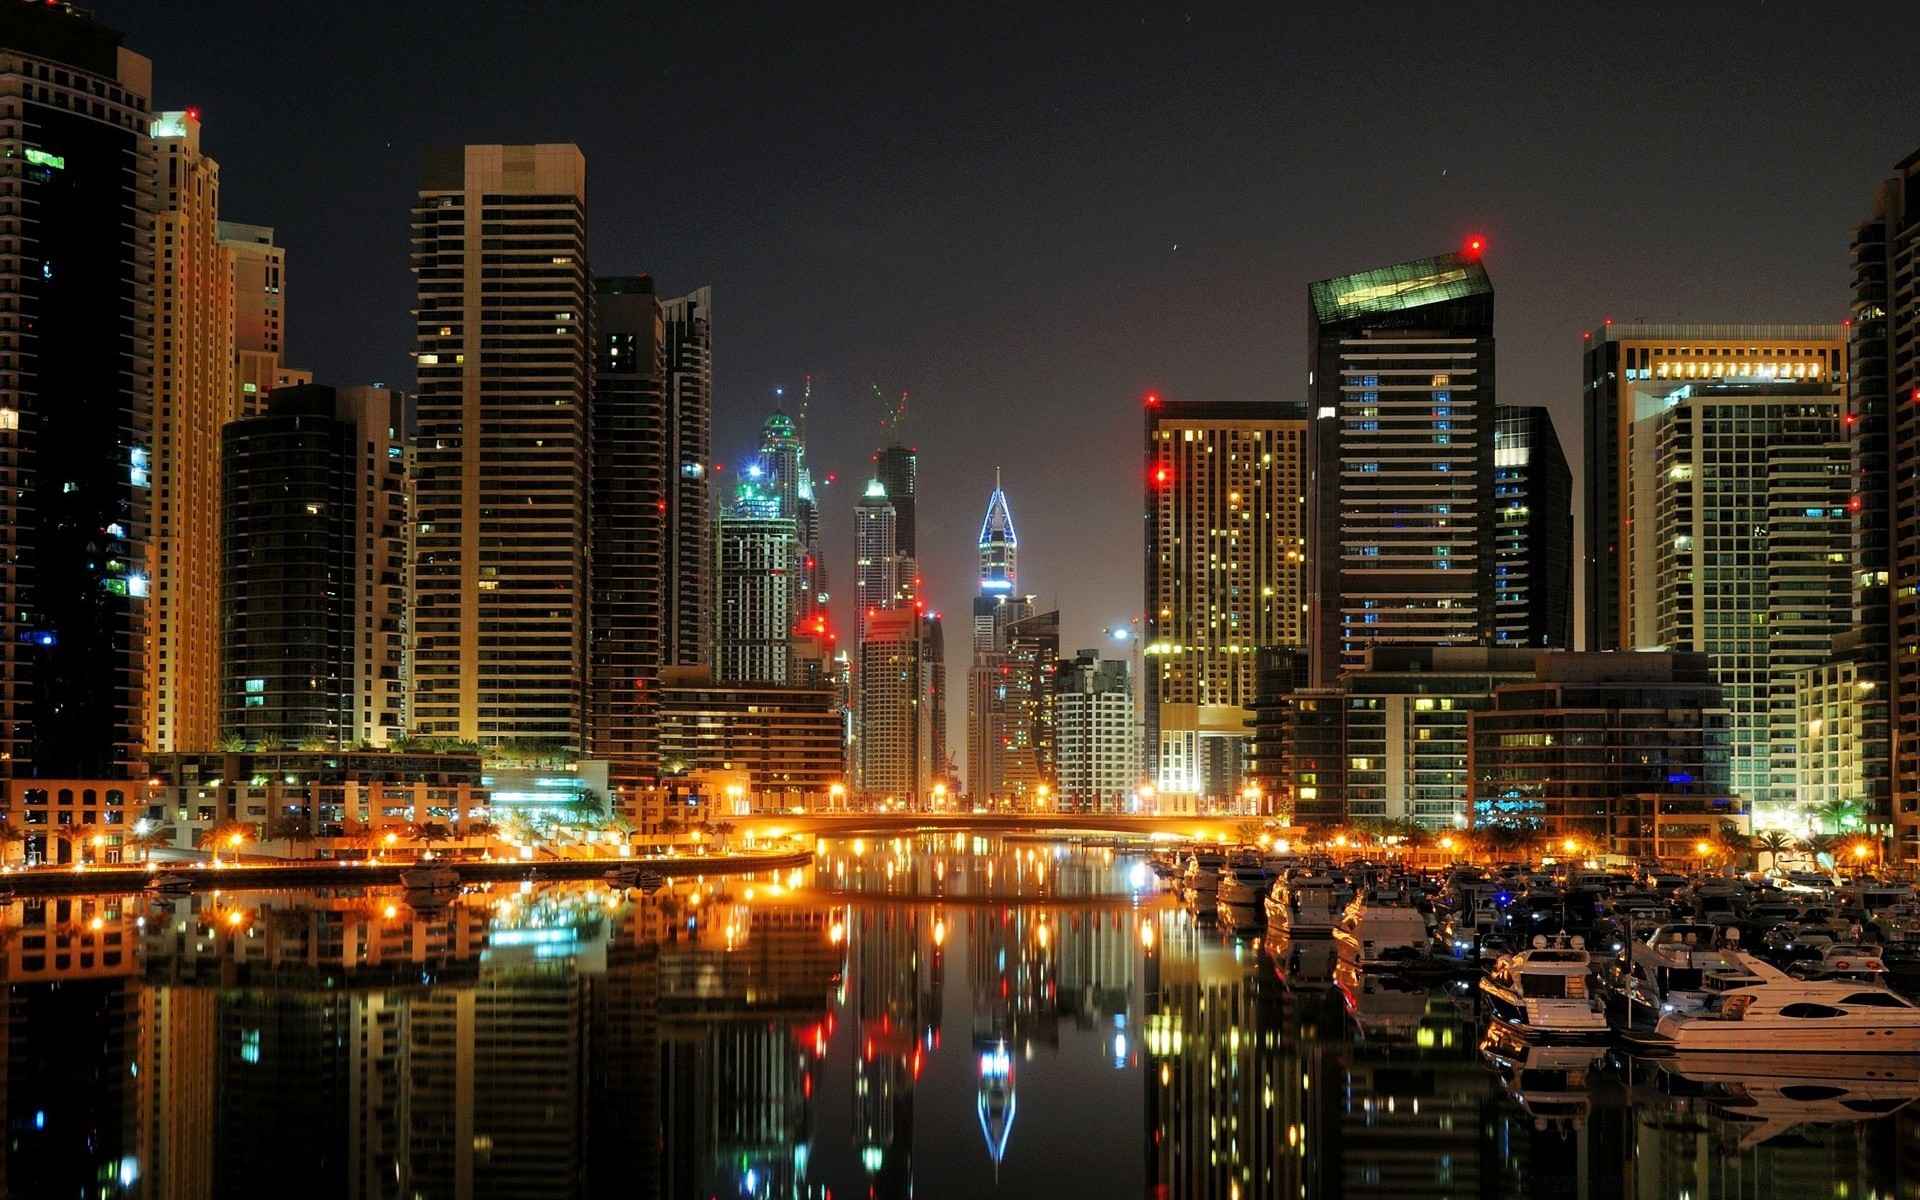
(332,873)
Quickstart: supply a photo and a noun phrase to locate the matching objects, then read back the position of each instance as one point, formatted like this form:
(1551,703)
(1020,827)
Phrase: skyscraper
(996,607)
(877,556)
(1032,661)
(504,367)
(1225,577)
(1096,746)
(1402,362)
(1884,355)
(758,549)
(314,569)
(893,751)
(1732,506)
(689,378)
(259,316)
(76,277)
(1533,532)
(193,397)
(635,470)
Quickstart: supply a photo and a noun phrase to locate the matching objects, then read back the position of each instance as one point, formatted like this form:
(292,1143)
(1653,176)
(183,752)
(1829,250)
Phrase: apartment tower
(1402,362)
(504,358)
(1225,576)
(77,280)
(1720,455)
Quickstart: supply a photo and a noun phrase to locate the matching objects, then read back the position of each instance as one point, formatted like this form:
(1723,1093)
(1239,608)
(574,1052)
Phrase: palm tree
(233,743)
(229,835)
(289,829)
(1836,815)
(1773,843)
(722,830)
(429,833)
(313,743)
(12,835)
(146,841)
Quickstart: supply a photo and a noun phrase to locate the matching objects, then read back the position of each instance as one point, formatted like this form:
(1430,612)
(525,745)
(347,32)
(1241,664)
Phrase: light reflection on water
(950,1017)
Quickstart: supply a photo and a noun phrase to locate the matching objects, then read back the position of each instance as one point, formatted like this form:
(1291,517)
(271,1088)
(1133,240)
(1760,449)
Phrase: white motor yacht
(1379,932)
(1544,993)
(1769,1010)
(432,876)
(1304,904)
(1202,875)
(1243,881)
(1669,968)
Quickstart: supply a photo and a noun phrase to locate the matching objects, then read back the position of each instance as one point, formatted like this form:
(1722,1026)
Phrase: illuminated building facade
(1029,757)
(1884,379)
(758,554)
(1736,539)
(997,606)
(1095,749)
(893,751)
(1627,753)
(193,398)
(76,261)
(501,541)
(314,568)
(1533,532)
(259,316)
(788,741)
(1225,577)
(1402,496)
(877,551)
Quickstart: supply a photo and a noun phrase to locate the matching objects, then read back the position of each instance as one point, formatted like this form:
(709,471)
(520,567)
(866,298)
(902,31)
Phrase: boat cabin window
(1547,987)
(1875,1000)
(1805,1011)
(1731,1007)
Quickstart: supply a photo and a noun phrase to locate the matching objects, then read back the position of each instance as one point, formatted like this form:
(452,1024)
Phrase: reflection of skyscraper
(896,975)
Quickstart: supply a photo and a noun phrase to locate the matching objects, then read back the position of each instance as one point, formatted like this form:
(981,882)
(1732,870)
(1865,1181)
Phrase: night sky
(1028,215)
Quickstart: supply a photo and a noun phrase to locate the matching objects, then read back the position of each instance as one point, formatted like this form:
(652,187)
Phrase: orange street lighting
(1860,850)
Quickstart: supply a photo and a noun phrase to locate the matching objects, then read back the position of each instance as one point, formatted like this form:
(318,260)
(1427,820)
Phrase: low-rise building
(780,747)
(1625,752)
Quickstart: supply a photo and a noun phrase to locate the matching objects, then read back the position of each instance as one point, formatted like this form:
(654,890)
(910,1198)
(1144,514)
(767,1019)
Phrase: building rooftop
(1402,286)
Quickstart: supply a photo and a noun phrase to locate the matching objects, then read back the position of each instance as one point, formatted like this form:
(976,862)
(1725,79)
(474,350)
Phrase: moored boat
(430,877)
(1544,993)
(1772,1011)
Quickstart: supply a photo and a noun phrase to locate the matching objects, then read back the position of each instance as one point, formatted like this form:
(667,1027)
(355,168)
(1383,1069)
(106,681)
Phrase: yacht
(1544,992)
(429,876)
(1667,971)
(1769,1009)
(1843,960)
(1242,882)
(1381,933)
(1202,874)
(170,884)
(1304,904)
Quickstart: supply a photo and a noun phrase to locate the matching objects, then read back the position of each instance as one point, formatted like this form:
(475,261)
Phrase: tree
(431,833)
(228,835)
(722,830)
(1773,843)
(314,743)
(1837,816)
(288,828)
(147,840)
(12,835)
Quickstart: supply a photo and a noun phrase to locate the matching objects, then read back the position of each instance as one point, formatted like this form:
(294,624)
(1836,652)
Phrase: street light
(1040,794)
(836,794)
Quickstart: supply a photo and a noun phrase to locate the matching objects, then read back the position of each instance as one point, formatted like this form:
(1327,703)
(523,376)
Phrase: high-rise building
(893,749)
(1225,576)
(1096,743)
(1884,359)
(1736,539)
(635,475)
(504,359)
(77,282)
(689,381)
(315,569)
(877,554)
(1028,758)
(783,464)
(259,316)
(1533,532)
(758,549)
(1402,362)
(897,467)
(193,398)
(995,608)
(787,741)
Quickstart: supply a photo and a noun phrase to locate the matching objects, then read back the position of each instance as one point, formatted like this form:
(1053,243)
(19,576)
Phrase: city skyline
(861,218)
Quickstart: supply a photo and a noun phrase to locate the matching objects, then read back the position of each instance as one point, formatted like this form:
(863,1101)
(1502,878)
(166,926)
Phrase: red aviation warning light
(1153,398)
(1162,476)
(1475,245)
